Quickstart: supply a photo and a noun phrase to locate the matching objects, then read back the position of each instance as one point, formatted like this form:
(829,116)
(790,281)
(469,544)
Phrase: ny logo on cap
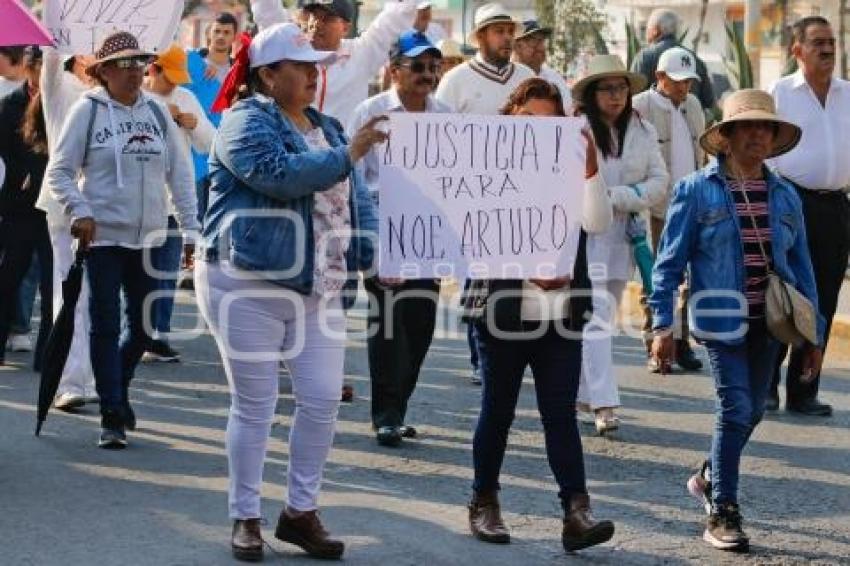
(686,61)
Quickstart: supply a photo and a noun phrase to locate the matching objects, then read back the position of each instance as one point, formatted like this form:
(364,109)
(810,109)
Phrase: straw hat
(489,14)
(751,105)
(603,67)
(119,45)
(450,49)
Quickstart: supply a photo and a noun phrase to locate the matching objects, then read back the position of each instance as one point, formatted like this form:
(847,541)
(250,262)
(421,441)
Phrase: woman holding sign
(543,330)
(277,265)
(637,178)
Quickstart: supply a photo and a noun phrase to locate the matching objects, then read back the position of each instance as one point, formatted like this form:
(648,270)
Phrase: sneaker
(475,378)
(69,401)
(723,529)
(160,351)
(699,485)
(112,439)
(19,343)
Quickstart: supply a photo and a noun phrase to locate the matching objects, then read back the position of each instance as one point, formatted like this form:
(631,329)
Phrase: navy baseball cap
(532,27)
(413,43)
(342,8)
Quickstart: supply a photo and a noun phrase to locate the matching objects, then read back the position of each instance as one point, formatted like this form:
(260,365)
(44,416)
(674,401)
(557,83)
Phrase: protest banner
(78,26)
(480,196)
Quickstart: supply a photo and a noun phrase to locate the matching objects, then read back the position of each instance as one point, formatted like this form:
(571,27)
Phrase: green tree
(577,25)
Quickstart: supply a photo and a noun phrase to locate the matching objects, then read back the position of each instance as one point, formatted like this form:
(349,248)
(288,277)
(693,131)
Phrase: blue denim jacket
(263,176)
(703,229)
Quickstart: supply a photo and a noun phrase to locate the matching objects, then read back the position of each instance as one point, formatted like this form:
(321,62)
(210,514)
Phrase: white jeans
(598,386)
(77,377)
(254,324)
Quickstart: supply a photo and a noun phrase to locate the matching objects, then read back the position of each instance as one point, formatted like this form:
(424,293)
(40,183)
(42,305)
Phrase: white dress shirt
(820,161)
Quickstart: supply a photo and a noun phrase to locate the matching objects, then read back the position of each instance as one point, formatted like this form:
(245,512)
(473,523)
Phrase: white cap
(424,5)
(678,63)
(285,42)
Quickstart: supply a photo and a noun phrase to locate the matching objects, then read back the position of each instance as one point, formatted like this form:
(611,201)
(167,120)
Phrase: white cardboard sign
(78,26)
(480,197)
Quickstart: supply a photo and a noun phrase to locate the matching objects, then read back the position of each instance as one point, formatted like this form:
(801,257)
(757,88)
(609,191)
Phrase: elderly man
(820,171)
(662,31)
(402,313)
(722,225)
(679,121)
(531,49)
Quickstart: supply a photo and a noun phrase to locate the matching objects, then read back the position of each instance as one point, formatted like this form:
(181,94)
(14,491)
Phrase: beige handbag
(790,316)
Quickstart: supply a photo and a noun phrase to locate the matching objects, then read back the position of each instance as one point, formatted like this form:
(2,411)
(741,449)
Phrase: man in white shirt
(679,120)
(819,167)
(531,49)
(425,24)
(483,84)
(165,75)
(12,73)
(345,83)
(401,337)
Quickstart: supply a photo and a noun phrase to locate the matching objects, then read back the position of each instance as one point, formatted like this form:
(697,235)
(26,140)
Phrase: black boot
(685,357)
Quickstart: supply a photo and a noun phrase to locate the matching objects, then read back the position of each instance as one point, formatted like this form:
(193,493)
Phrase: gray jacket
(115,166)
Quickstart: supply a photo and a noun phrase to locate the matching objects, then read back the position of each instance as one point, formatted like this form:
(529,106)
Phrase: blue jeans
(112,270)
(473,345)
(555,362)
(166,259)
(202,190)
(742,376)
(22,319)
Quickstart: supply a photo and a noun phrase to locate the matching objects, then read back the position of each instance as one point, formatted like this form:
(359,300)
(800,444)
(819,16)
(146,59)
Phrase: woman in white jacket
(637,178)
(115,154)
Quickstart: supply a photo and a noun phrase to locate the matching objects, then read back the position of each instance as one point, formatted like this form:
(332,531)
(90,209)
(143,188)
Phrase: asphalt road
(163,501)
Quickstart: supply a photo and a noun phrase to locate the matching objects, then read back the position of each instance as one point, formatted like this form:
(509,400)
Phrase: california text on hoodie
(128,161)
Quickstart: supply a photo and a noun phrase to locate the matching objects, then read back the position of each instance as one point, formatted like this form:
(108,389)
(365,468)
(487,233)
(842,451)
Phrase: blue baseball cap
(413,43)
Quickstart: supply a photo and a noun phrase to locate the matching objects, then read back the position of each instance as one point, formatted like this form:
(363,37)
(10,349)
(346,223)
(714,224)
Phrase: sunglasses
(132,63)
(419,67)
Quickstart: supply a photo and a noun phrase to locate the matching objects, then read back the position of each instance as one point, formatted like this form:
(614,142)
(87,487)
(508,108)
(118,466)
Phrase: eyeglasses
(132,63)
(419,67)
(614,90)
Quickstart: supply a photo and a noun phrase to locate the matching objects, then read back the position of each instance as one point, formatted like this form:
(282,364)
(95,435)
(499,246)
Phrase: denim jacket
(263,176)
(703,229)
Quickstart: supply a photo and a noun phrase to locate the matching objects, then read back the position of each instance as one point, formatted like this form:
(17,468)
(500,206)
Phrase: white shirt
(435,33)
(821,160)
(378,105)
(554,77)
(345,84)
(682,158)
(7,86)
(475,87)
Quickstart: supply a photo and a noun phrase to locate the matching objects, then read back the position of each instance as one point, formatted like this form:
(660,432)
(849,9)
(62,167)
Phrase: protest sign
(78,26)
(480,196)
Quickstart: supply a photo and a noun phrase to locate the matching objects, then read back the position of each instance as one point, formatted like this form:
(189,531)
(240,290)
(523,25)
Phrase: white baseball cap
(285,42)
(678,63)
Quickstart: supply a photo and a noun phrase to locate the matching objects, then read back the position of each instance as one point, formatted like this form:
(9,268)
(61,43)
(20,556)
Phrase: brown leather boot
(485,518)
(305,530)
(247,541)
(580,528)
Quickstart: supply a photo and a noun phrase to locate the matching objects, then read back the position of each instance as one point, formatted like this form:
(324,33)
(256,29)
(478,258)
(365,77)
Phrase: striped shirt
(755,264)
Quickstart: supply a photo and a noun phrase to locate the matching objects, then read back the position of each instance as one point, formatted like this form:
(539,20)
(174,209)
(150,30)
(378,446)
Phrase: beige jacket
(695,117)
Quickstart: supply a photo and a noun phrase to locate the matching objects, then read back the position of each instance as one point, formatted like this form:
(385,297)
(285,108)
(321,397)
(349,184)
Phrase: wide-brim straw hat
(751,105)
(607,66)
(488,15)
(119,45)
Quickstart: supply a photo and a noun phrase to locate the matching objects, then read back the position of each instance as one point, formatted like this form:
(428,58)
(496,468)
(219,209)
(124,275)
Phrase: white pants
(77,377)
(254,323)
(598,386)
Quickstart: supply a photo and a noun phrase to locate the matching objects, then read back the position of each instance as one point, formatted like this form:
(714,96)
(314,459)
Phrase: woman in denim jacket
(732,222)
(277,266)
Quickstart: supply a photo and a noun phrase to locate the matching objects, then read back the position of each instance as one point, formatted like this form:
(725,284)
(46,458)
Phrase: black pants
(21,236)
(827,218)
(401,324)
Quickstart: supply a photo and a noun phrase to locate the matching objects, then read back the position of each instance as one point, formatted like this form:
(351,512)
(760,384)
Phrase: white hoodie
(121,182)
(345,83)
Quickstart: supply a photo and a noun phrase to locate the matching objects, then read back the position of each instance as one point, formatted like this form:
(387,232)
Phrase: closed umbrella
(59,342)
(20,27)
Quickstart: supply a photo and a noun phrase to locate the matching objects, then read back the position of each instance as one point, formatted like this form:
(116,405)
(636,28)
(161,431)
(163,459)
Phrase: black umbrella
(59,343)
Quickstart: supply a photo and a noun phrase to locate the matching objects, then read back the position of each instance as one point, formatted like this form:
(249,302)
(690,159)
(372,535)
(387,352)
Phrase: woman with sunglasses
(111,165)
(637,177)
(542,330)
(288,226)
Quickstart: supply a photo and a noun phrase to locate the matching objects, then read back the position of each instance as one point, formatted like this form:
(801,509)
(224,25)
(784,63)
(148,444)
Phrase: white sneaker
(69,401)
(20,343)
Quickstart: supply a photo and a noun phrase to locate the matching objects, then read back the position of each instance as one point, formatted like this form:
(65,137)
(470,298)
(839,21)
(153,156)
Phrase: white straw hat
(489,14)
(603,67)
